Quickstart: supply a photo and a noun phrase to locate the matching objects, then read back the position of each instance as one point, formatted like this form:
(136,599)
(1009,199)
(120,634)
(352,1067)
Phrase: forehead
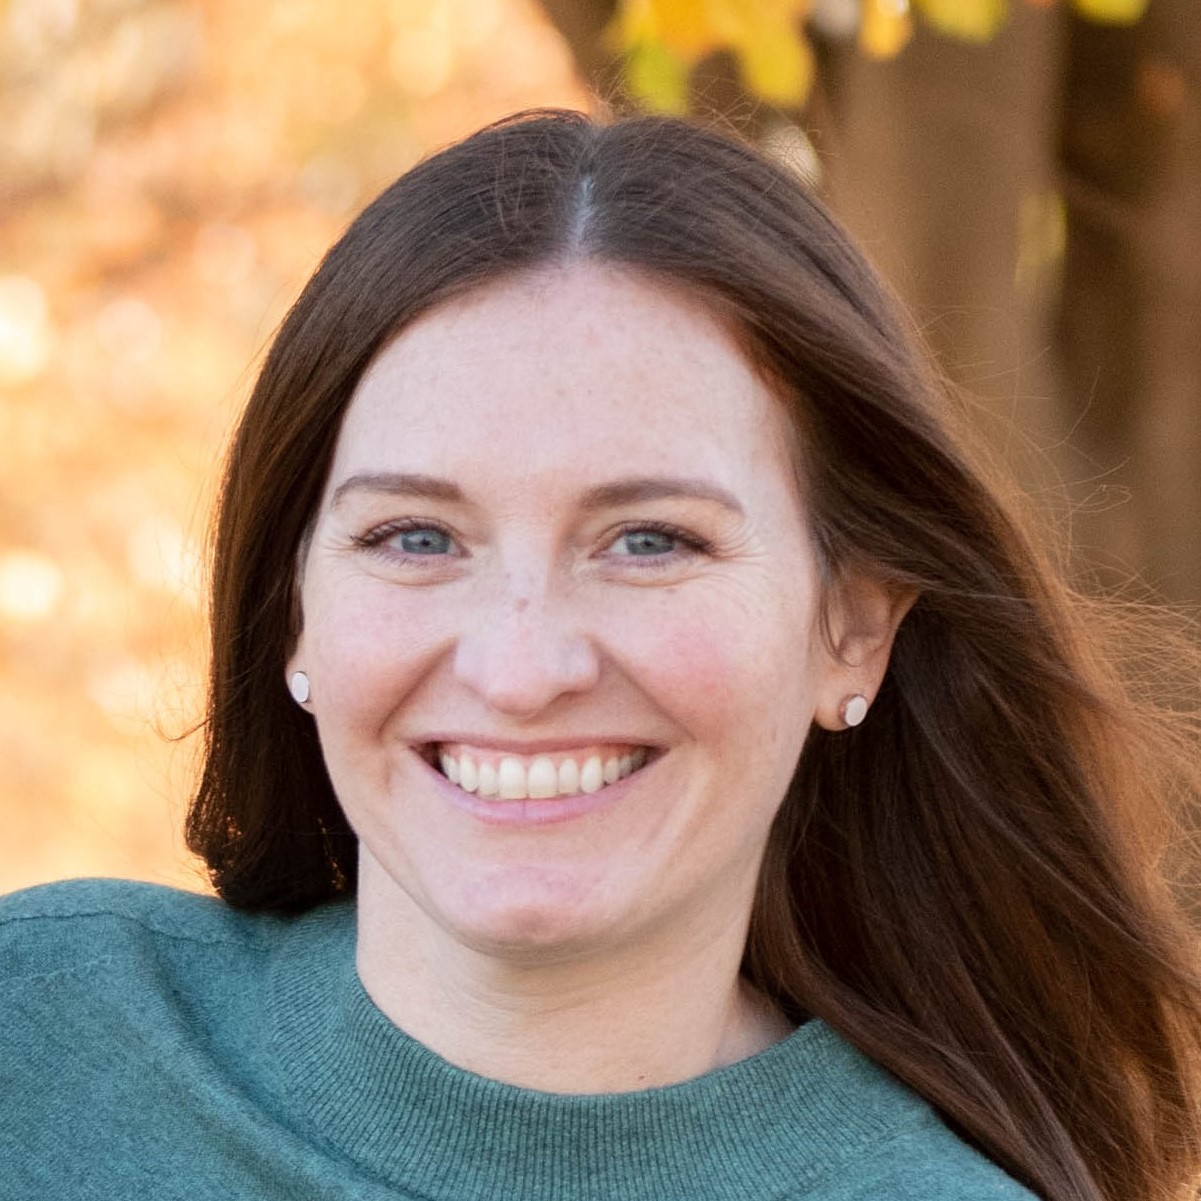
(585,366)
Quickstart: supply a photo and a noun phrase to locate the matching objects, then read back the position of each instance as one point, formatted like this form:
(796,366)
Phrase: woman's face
(561,539)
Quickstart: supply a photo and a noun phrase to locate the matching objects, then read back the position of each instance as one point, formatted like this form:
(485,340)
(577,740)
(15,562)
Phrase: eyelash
(693,544)
(374,541)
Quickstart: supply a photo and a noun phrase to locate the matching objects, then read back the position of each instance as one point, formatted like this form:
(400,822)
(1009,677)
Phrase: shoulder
(883,1140)
(102,971)
(136,1042)
(928,1162)
(62,926)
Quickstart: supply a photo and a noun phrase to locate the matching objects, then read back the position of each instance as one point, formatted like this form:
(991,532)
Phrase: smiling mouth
(507,777)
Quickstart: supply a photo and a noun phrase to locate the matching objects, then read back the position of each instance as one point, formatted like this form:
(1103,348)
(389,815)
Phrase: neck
(655,1012)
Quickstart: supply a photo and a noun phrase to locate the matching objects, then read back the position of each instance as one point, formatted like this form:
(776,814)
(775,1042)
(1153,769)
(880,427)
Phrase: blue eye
(656,545)
(402,544)
(649,542)
(425,540)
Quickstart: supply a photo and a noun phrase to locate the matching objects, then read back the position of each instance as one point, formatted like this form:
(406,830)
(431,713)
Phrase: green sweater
(157,1044)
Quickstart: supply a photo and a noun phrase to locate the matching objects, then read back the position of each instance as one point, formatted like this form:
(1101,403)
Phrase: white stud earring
(298,686)
(854,710)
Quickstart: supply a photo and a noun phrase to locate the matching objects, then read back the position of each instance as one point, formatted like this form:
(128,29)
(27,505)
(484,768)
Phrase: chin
(540,914)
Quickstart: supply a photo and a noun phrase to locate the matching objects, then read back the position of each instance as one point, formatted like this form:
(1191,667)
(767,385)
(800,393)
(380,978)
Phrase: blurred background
(1026,173)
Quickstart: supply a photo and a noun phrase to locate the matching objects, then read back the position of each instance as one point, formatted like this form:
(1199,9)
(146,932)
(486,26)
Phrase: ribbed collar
(759,1128)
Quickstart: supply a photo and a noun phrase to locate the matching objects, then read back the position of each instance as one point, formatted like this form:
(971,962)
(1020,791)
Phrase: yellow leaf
(968,20)
(657,77)
(884,28)
(684,27)
(740,22)
(693,28)
(778,69)
(1115,12)
(662,38)
(632,24)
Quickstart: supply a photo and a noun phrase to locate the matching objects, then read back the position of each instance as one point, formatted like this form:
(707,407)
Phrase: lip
(543,811)
(538,746)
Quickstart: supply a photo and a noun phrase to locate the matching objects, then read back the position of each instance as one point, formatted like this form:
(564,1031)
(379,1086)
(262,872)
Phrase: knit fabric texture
(158,1044)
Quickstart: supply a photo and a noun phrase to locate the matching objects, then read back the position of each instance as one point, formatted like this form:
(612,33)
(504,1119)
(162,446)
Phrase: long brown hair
(969,885)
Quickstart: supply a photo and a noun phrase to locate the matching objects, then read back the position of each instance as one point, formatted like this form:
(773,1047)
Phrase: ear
(294,664)
(862,620)
(296,655)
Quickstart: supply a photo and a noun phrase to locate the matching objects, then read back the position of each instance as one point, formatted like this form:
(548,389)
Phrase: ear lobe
(863,619)
(295,677)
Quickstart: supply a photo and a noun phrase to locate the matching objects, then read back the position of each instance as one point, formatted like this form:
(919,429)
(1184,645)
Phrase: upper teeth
(515,778)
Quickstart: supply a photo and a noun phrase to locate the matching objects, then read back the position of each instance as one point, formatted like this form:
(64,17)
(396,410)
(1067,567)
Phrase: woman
(644,757)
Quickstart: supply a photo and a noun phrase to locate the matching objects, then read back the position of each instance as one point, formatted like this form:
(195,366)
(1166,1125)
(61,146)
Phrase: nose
(524,652)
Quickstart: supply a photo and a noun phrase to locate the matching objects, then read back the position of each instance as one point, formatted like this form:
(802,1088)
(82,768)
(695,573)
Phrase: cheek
(693,661)
(366,649)
(727,670)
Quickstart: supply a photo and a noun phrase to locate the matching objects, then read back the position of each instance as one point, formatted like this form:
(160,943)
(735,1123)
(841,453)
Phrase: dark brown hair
(968,886)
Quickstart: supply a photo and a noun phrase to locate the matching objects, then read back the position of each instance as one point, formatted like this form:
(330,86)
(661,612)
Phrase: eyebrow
(391,483)
(629,491)
(604,496)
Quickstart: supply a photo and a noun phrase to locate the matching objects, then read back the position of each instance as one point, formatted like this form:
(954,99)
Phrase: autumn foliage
(662,40)
(170,173)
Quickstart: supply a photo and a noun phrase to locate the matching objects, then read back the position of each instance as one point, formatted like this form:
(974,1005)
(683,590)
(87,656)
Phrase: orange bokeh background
(170,174)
